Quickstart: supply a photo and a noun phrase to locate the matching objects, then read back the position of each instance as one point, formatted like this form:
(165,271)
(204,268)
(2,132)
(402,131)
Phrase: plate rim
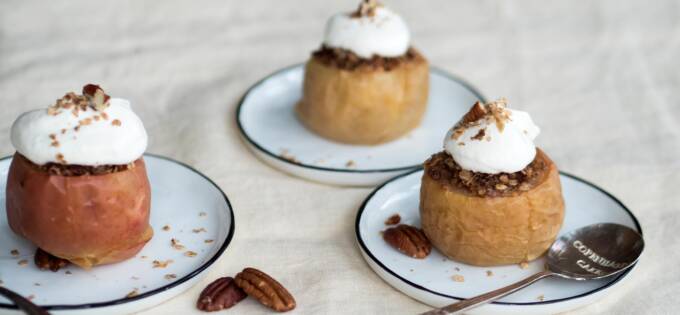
(257,146)
(367,252)
(203,267)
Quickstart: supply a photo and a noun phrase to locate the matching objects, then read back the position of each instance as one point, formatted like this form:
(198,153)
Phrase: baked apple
(77,186)
(365,85)
(491,197)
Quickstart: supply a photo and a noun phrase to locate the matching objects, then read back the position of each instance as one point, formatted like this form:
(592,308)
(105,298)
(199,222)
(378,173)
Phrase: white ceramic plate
(182,198)
(267,122)
(431,280)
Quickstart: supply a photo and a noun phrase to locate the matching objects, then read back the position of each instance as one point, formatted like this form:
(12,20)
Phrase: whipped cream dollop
(493,139)
(372,30)
(81,135)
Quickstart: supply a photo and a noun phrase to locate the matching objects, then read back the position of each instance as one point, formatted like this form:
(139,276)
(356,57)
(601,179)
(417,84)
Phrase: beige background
(599,77)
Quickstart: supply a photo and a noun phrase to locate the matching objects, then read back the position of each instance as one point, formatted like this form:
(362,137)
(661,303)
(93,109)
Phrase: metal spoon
(23,303)
(592,252)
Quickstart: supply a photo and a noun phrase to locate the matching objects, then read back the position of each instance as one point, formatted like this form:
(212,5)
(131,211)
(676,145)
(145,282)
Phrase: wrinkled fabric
(600,78)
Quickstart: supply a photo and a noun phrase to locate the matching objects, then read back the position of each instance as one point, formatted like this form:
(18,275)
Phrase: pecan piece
(480,135)
(95,94)
(475,113)
(409,240)
(394,219)
(221,294)
(45,260)
(265,289)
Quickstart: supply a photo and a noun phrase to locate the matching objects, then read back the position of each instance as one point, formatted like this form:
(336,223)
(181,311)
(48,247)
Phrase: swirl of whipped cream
(493,139)
(381,33)
(111,136)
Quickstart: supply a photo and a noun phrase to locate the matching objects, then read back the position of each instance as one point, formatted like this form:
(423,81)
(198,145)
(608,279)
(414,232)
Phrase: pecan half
(221,294)
(409,240)
(265,289)
(45,260)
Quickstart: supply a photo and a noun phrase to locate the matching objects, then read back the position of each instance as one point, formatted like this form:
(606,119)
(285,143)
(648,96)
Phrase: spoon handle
(489,296)
(23,303)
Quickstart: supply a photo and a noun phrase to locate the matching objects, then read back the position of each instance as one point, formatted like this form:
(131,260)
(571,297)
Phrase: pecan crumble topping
(444,169)
(63,169)
(347,60)
(492,112)
(93,97)
(80,170)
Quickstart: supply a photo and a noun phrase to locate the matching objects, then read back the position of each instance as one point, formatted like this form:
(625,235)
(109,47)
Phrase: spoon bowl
(595,251)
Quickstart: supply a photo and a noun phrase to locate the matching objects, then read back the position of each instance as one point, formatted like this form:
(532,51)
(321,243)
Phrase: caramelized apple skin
(89,220)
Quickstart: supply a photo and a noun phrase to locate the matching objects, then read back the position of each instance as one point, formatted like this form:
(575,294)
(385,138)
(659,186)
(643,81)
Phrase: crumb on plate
(132,293)
(161,264)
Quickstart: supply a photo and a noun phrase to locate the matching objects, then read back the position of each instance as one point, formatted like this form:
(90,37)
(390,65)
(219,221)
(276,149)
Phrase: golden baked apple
(366,85)
(478,208)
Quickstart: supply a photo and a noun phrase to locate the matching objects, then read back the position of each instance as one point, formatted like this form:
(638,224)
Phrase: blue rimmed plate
(195,211)
(438,281)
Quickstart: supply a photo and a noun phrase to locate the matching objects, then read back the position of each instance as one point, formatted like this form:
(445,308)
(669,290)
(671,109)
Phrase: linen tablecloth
(599,77)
